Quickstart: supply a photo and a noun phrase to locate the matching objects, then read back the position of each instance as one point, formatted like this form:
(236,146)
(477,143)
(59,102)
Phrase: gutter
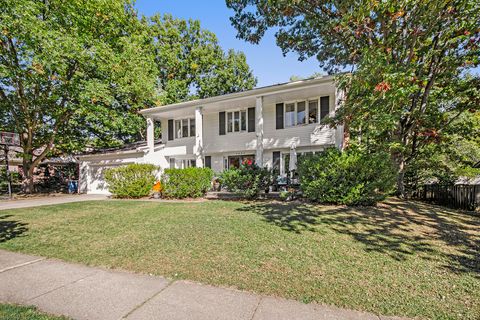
(109,154)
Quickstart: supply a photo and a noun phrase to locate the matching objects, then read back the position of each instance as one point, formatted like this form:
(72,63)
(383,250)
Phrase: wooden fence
(460,196)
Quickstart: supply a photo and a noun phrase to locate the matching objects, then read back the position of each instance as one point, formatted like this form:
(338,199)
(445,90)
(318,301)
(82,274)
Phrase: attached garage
(93,167)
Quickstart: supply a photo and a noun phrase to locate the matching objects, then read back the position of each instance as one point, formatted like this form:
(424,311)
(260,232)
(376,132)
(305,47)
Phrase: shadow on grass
(395,228)
(10,229)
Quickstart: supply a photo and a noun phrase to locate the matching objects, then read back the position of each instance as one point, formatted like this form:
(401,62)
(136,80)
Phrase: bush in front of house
(352,177)
(248,180)
(186,183)
(131,181)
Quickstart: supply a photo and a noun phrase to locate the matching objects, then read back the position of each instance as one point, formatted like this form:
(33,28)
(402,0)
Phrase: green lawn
(405,259)
(14,312)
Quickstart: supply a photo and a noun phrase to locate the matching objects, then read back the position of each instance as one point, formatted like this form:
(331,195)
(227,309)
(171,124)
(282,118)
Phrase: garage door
(96,181)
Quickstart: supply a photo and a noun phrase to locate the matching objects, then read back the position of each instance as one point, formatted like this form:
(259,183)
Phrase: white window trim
(189,120)
(283,169)
(307,108)
(181,163)
(233,121)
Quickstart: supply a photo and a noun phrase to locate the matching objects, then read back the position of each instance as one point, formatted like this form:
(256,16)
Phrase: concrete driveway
(44,201)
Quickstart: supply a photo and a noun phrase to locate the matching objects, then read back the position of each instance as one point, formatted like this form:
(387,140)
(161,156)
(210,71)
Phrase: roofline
(109,154)
(243,94)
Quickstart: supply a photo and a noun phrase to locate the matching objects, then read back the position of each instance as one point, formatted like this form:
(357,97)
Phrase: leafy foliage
(409,60)
(70,72)
(186,183)
(191,64)
(353,177)
(248,180)
(131,181)
(454,155)
(84,88)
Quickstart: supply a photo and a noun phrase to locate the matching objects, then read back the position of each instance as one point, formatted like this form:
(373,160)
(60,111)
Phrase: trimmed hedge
(352,177)
(131,181)
(186,183)
(248,180)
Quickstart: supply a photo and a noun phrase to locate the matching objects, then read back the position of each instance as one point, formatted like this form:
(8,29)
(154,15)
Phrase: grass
(400,258)
(14,312)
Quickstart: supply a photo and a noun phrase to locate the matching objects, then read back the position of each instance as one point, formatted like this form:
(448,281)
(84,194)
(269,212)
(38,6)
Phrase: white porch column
(259,131)
(150,134)
(199,136)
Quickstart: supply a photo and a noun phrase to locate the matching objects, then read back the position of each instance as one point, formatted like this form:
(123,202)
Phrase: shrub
(131,181)
(186,183)
(247,180)
(352,177)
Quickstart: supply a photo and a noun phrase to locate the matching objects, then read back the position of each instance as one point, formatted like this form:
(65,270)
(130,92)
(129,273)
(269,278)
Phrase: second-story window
(303,112)
(237,121)
(312,111)
(184,128)
(301,116)
(289,114)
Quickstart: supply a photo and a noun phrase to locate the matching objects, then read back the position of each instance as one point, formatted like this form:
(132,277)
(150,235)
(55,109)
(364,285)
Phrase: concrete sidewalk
(44,201)
(82,292)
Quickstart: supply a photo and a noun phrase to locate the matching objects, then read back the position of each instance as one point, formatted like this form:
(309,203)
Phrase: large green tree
(69,70)
(408,61)
(191,64)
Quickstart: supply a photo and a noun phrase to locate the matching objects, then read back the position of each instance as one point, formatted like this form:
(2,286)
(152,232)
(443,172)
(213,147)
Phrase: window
(184,128)
(313,111)
(289,114)
(229,122)
(285,159)
(236,161)
(237,121)
(301,113)
(243,119)
(182,163)
(192,127)
(208,162)
(178,129)
(276,162)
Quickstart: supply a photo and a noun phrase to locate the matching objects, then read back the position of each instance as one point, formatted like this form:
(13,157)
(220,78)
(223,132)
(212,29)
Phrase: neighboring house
(262,124)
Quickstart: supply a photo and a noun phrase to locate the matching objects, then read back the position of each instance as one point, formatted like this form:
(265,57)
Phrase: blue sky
(266,59)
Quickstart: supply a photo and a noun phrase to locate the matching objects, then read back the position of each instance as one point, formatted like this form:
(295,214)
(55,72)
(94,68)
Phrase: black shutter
(221,123)
(324,107)
(279,112)
(208,162)
(170,129)
(251,119)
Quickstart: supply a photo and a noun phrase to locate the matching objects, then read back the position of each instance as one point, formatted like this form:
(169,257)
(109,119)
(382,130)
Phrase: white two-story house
(263,124)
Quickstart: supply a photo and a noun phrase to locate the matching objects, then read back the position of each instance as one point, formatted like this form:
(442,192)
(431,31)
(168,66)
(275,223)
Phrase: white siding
(213,142)
(182,146)
(301,136)
(311,137)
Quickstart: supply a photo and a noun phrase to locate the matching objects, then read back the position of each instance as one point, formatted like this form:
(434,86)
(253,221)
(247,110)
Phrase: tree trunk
(400,162)
(28,183)
(346,133)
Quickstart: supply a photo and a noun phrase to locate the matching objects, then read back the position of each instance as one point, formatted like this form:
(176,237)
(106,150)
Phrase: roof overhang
(111,155)
(240,96)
